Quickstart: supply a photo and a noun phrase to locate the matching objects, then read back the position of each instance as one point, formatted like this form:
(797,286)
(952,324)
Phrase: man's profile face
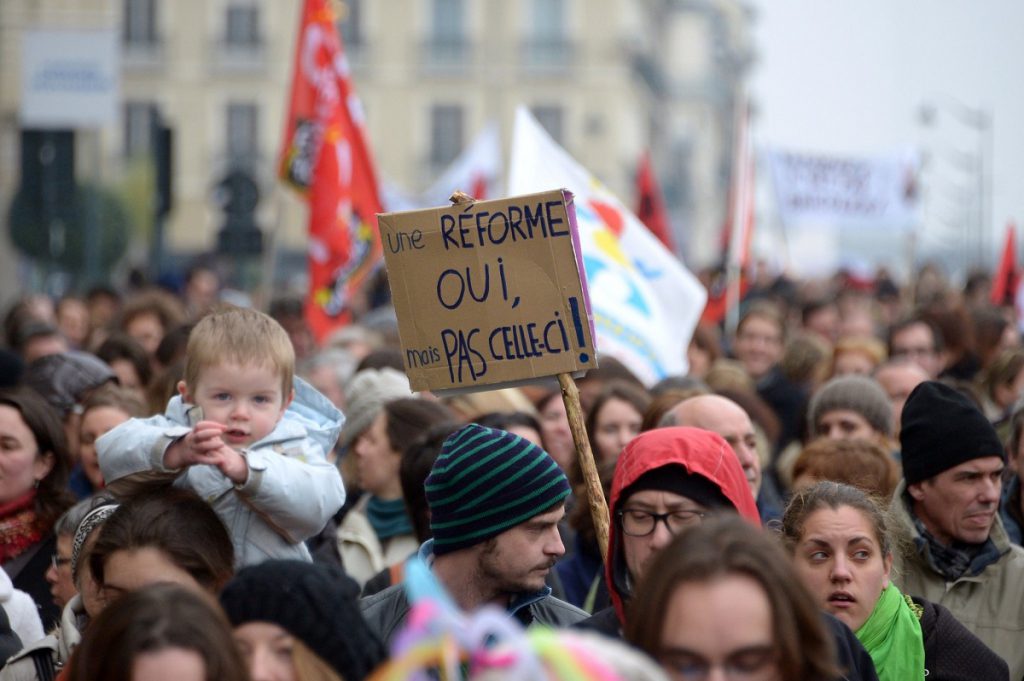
(960,504)
(725,417)
(518,560)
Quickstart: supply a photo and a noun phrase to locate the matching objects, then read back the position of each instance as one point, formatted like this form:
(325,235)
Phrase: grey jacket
(989,603)
(291,492)
(60,643)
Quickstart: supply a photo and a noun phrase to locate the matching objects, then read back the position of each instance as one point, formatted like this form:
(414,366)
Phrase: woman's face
(841,562)
(129,570)
(267,649)
(58,575)
(617,423)
(554,426)
(377,461)
(21,464)
(147,329)
(169,664)
(699,360)
(96,422)
(719,629)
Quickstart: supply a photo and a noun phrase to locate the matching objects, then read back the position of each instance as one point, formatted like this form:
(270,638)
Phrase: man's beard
(491,571)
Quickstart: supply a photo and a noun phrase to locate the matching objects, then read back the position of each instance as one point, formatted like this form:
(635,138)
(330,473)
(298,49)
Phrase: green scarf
(388,518)
(892,636)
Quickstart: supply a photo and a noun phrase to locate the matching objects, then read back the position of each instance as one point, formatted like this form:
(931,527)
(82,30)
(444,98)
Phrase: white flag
(645,303)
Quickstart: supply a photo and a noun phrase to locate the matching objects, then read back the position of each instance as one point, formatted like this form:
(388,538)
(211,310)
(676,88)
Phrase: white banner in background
(878,191)
(69,79)
(644,301)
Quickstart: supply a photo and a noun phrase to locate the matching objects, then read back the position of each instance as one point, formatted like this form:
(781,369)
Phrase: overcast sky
(848,77)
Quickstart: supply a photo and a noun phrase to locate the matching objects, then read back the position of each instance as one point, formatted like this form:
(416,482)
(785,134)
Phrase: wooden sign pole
(595,491)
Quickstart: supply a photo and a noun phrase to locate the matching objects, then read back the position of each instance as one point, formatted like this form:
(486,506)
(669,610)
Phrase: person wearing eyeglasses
(665,481)
(722,602)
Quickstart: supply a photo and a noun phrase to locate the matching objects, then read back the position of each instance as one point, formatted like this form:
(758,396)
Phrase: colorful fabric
(892,636)
(19,526)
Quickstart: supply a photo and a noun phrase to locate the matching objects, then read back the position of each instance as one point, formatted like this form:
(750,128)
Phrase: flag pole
(738,237)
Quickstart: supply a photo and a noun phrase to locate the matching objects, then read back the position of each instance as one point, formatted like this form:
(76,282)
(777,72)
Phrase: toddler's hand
(197,446)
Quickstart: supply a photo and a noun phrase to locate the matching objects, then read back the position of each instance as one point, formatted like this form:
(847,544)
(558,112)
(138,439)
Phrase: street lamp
(980,121)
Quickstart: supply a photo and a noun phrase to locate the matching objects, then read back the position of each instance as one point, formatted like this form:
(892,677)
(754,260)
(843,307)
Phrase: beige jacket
(361,551)
(990,604)
(60,642)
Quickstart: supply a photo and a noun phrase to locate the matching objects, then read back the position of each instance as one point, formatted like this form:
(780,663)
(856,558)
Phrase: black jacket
(952,653)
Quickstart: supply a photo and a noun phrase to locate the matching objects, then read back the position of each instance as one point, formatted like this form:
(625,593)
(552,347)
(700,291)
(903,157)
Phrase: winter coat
(361,551)
(290,494)
(59,644)
(21,610)
(989,602)
(952,653)
(700,452)
(385,612)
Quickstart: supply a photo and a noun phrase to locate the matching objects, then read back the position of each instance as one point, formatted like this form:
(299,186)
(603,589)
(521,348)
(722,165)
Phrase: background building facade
(607,78)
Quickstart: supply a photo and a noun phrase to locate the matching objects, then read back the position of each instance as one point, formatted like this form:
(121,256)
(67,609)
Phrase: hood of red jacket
(700,452)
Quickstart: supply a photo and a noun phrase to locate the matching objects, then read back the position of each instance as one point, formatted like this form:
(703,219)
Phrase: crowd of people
(192,489)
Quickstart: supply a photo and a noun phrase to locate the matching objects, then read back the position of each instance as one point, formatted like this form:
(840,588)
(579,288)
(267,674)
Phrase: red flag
(324,154)
(651,204)
(1004,284)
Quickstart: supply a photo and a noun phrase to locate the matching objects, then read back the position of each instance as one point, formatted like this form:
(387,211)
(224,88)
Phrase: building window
(242,133)
(447,42)
(243,26)
(350,24)
(140,22)
(446,125)
(547,43)
(551,119)
(139,118)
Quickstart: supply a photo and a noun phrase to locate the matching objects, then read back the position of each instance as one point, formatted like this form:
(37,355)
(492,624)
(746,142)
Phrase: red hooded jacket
(700,452)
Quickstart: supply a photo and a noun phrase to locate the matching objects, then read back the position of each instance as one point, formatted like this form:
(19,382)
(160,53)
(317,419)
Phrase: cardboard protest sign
(489,293)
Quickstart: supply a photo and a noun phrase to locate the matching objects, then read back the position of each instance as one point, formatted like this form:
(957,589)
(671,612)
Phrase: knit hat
(859,394)
(486,481)
(365,395)
(64,379)
(316,603)
(676,479)
(941,428)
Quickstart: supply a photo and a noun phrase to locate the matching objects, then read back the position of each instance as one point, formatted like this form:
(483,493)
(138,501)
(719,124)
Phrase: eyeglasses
(637,523)
(913,352)
(57,561)
(746,664)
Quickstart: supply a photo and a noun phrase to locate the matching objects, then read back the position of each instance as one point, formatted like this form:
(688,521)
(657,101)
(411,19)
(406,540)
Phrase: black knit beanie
(941,429)
(315,603)
(676,479)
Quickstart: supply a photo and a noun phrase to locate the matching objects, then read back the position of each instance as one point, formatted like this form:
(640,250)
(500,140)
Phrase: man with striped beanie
(495,502)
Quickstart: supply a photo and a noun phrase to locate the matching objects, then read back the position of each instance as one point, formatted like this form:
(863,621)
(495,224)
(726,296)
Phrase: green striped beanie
(486,481)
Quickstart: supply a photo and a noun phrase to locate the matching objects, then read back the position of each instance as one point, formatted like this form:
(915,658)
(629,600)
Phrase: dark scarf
(958,559)
(388,518)
(19,526)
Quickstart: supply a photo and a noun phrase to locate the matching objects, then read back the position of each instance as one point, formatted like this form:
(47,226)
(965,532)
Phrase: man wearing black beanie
(948,502)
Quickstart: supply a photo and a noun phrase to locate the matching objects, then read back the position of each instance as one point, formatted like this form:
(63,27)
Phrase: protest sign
(489,293)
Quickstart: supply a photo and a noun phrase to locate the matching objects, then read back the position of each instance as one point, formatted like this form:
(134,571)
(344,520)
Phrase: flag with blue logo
(645,302)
